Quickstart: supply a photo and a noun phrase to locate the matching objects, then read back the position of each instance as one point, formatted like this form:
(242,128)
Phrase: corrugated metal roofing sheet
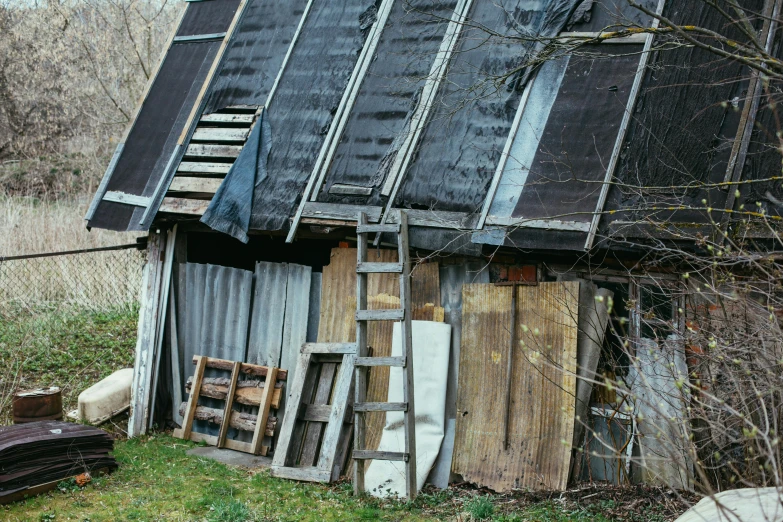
(541,419)
(269,300)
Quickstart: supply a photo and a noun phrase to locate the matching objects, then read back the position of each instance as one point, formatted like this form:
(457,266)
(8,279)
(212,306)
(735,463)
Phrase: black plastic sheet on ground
(37,453)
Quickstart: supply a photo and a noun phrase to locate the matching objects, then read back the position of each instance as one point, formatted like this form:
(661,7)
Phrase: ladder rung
(394,314)
(338,348)
(380,455)
(393,228)
(380,406)
(397,362)
(379,268)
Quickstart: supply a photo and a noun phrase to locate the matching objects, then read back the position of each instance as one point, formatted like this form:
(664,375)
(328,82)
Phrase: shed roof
(427,105)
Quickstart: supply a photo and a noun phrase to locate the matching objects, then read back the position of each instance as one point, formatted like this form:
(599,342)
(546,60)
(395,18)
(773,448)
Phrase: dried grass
(97,280)
(33,226)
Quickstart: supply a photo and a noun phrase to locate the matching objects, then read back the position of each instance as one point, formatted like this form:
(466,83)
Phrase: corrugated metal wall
(541,412)
(264,316)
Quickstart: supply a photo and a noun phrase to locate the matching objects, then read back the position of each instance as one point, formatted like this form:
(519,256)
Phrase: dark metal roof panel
(207,17)
(684,125)
(304,104)
(388,96)
(255,54)
(472,114)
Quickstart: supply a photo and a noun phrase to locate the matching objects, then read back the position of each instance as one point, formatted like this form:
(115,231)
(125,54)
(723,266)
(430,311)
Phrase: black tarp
(684,124)
(156,130)
(207,17)
(388,96)
(473,111)
(255,54)
(580,134)
(304,105)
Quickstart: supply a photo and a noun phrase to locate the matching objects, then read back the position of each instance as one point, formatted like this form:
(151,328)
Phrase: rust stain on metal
(543,385)
(38,405)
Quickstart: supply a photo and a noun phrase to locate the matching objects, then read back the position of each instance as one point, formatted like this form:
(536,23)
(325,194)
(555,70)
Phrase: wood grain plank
(204,150)
(331,438)
(246,368)
(379,268)
(292,406)
(249,392)
(406,336)
(190,412)
(381,455)
(193,184)
(232,389)
(339,348)
(238,420)
(380,315)
(381,361)
(362,351)
(313,431)
(541,420)
(203,167)
(425,293)
(263,413)
(315,412)
(191,207)
(308,392)
(217,134)
(227,118)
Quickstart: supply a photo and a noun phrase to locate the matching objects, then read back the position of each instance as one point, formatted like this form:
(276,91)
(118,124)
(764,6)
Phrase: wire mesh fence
(93,279)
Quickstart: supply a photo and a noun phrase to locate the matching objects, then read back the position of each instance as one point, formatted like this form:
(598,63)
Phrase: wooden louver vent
(213,148)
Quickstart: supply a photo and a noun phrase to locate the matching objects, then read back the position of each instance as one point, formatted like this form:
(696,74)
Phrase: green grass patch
(68,347)
(158,480)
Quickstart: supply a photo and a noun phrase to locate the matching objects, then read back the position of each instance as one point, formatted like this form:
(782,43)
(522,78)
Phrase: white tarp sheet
(738,505)
(662,432)
(431,343)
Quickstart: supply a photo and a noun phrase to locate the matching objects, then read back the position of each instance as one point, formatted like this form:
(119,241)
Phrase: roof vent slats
(212,150)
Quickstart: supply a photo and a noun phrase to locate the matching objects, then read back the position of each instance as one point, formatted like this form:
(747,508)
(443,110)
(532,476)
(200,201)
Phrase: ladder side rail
(406,336)
(360,383)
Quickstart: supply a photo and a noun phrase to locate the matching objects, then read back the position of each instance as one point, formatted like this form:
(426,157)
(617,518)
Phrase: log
(249,369)
(249,392)
(238,420)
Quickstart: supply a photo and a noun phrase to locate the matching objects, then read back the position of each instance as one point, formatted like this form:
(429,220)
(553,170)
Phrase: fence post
(149,317)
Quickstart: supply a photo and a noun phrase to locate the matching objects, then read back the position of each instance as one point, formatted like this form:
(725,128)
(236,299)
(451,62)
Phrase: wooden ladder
(364,362)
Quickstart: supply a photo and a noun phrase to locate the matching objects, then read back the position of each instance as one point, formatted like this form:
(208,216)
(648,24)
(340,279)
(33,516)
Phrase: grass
(67,347)
(157,480)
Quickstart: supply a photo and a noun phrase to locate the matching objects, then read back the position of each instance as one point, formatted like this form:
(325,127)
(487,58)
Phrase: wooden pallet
(316,430)
(263,389)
